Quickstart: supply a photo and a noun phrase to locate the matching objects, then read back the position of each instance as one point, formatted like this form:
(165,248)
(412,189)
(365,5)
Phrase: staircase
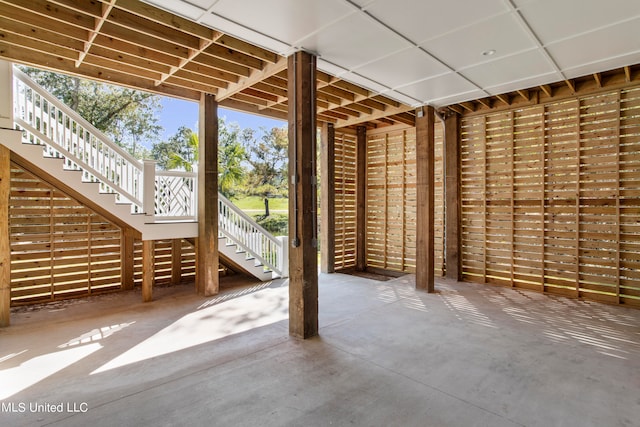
(158,204)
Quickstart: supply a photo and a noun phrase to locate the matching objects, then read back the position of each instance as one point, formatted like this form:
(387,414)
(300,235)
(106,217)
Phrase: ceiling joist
(132,43)
(106,10)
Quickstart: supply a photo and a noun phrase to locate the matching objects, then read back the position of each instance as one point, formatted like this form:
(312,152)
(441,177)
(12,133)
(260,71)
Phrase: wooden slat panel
(557,210)
(345,200)
(391,200)
(59,248)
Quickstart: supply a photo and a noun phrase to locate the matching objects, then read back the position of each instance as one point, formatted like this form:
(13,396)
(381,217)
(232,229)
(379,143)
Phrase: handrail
(47,121)
(242,230)
(50,122)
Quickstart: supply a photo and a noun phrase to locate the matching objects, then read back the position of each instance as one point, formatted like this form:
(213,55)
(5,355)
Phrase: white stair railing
(242,230)
(46,121)
(170,195)
(175,195)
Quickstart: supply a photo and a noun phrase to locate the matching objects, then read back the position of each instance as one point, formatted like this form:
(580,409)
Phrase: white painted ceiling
(436,52)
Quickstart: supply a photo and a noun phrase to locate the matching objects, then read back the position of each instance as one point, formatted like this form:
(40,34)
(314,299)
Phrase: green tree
(268,158)
(127,116)
(231,155)
(181,152)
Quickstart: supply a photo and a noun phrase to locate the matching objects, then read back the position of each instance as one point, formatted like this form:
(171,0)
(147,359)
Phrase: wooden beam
(5,246)
(255,77)
(207,279)
(469,106)
(389,111)
(361,199)
(504,98)
(425,208)
(176,261)
(571,85)
(598,78)
(150,29)
(160,16)
(230,42)
(148,269)
(486,102)
(452,197)
(106,10)
(303,258)
(525,94)
(327,200)
(547,89)
(456,109)
(193,53)
(627,74)
(126,258)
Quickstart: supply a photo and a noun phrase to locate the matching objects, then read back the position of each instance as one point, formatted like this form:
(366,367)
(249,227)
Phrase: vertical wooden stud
(361,199)
(89,247)
(453,222)
(207,278)
(385,207)
(484,199)
(52,244)
(176,261)
(303,259)
(126,259)
(148,269)
(578,160)
(425,209)
(403,255)
(543,197)
(618,209)
(327,201)
(5,247)
(513,195)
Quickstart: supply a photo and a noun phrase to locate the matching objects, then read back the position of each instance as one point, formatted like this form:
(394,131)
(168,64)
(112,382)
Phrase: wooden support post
(361,199)
(148,269)
(328,199)
(425,209)
(303,259)
(126,259)
(5,247)
(453,222)
(176,261)
(207,279)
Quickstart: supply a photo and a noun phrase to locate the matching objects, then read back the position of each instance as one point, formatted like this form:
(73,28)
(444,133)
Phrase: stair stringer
(89,193)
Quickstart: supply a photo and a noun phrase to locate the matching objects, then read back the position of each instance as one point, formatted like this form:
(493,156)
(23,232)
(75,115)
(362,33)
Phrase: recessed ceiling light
(489,52)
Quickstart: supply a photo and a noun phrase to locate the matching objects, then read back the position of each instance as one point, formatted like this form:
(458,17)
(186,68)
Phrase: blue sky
(176,113)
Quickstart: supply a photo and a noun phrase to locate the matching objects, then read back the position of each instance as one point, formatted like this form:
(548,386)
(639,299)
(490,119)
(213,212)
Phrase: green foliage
(231,155)
(268,158)
(127,116)
(256,204)
(276,224)
(181,152)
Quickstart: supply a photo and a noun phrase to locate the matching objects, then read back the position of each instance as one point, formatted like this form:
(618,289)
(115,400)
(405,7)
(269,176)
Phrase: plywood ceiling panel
(413,52)
(533,40)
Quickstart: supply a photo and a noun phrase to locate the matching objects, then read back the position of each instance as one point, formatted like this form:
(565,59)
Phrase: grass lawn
(255,204)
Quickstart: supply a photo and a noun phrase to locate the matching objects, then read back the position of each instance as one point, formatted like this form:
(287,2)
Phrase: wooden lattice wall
(551,197)
(345,200)
(163,262)
(59,248)
(391,200)
(62,249)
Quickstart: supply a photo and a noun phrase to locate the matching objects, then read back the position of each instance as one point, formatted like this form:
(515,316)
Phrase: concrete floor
(469,355)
